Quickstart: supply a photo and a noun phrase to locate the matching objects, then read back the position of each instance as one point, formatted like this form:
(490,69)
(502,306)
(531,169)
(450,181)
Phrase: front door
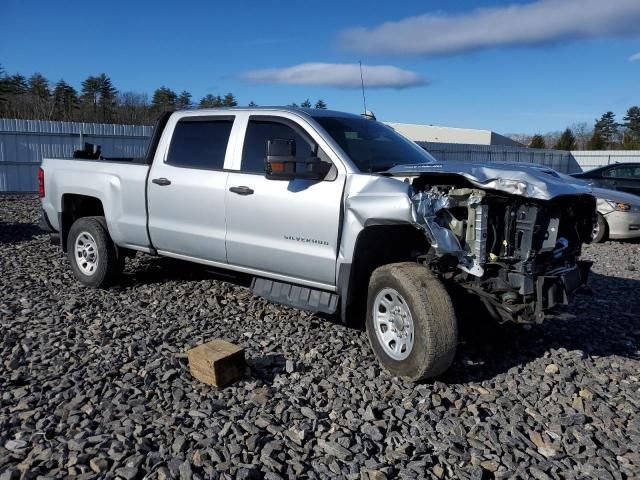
(186,190)
(287,228)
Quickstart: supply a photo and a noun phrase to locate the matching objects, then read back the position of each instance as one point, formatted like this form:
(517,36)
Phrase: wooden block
(217,362)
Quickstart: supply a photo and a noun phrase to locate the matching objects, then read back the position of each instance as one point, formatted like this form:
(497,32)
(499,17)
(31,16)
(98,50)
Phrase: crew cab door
(284,228)
(186,189)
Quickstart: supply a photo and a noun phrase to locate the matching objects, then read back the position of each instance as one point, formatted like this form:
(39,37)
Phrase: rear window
(199,143)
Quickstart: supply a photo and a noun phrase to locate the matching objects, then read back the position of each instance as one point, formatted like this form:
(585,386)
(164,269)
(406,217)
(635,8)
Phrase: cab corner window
(200,143)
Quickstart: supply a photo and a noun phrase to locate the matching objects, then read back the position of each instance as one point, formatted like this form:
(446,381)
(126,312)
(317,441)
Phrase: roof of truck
(311,112)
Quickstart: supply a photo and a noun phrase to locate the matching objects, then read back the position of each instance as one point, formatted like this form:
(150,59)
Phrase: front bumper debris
(555,289)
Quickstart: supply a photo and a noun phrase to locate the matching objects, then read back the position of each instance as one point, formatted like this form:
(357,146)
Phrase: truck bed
(119,184)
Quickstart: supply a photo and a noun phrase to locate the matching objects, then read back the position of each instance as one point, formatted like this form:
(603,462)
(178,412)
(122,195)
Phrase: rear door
(623,177)
(186,189)
(284,228)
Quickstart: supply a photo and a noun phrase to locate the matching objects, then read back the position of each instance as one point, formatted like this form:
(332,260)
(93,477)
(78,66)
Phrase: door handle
(163,182)
(241,190)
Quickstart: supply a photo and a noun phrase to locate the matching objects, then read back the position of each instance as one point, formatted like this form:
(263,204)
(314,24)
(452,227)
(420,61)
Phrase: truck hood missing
(522,180)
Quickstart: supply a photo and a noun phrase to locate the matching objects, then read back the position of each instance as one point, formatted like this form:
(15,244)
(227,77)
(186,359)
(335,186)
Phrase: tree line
(606,134)
(98,100)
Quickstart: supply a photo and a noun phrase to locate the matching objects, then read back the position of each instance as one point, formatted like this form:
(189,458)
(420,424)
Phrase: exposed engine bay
(518,255)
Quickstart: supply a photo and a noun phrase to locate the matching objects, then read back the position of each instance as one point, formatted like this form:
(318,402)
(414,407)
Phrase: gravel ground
(91,384)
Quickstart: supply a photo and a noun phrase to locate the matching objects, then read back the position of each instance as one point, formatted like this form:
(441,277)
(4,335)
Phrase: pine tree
(307,104)
(90,93)
(164,99)
(252,104)
(537,141)
(321,105)
(229,100)
(632,120)
(184,100)
(596,142)
(607,127)
(210,101)
(4,86)
(567,141)
(18,84)
(38,100)
(108,97)
(39,86)
(65,101)
(632,129)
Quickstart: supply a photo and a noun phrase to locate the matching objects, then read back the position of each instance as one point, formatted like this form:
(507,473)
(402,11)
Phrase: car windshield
(373,146)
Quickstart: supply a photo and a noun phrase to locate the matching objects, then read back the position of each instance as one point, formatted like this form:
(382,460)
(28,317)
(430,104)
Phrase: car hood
(616,196)
(519,180)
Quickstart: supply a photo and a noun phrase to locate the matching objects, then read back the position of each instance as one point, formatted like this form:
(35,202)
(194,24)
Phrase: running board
(295,296)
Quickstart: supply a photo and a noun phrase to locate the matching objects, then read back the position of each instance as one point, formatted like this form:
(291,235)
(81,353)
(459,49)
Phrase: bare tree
(582,133)
(134,108)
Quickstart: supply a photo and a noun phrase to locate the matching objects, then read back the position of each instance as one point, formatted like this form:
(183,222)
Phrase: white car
(618,215)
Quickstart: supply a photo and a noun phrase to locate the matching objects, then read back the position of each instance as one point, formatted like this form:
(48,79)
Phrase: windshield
(373,146)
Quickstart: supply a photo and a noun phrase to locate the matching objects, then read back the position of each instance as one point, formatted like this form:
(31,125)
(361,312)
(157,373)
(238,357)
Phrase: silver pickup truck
(329,212)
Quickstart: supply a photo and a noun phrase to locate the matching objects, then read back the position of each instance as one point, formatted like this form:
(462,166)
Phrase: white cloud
(340,75)
(635,57)
(534,23)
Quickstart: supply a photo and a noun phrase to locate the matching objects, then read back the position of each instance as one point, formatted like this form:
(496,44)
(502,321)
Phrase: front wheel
(599,233)
(92,254)
(410,323)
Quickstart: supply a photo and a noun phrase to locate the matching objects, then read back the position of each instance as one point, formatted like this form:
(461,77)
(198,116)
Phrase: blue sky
(508,66)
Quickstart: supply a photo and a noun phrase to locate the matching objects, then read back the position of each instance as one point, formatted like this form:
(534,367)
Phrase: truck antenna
(364,99)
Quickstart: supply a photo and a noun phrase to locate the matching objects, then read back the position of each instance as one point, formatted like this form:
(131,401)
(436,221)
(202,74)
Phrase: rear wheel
(599,233)
(410,322)
(93,255)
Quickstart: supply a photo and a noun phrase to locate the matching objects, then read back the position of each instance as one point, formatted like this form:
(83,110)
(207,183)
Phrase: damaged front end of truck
(511,238)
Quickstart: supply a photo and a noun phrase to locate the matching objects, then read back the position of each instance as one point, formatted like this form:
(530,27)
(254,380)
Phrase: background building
(467,136)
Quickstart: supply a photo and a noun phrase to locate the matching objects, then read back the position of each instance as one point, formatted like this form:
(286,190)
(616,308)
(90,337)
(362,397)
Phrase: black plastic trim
(44,223)
(296,296)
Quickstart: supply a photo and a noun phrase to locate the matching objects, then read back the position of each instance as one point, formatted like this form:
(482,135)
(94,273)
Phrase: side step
(295,296)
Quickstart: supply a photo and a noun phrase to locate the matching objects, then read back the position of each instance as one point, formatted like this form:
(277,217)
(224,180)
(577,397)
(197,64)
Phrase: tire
(428,308)
(600,230)
(92,254)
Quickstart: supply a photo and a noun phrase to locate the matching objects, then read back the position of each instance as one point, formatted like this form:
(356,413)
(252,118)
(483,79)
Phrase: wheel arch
(375,245)
(74,206)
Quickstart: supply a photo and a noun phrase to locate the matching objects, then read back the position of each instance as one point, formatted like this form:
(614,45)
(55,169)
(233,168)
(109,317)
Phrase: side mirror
(281,163)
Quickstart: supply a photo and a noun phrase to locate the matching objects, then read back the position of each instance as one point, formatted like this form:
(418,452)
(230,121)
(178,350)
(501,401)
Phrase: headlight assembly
(621,206)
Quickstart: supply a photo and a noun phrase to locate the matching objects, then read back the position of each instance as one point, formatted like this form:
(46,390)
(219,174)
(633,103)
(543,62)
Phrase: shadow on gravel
(267,367)
(153,270)
(18,232)
(603,323)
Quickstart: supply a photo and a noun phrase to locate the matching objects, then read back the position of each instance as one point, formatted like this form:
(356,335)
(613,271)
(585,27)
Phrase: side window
(623,172)
(200,143)
(258,132)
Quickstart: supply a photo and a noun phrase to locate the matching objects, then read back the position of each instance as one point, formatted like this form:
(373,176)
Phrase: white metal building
(467,136)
